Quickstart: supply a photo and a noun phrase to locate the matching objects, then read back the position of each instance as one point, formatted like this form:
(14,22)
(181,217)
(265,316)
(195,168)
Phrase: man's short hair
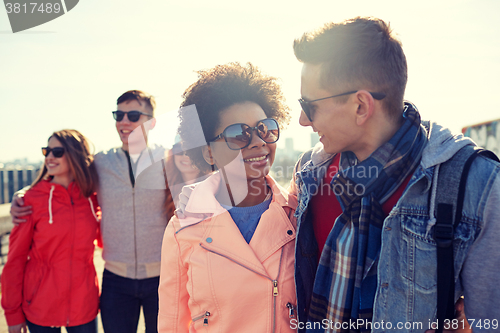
(139,96)
(360,53)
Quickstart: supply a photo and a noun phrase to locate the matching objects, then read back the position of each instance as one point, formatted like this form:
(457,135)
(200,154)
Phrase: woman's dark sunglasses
(57,151)
(133,116)
(306,105)
(239,136)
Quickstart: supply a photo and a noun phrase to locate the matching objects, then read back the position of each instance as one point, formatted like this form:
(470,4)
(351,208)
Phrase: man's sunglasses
(239,136)
(57,151)
(133,116)
(307,108)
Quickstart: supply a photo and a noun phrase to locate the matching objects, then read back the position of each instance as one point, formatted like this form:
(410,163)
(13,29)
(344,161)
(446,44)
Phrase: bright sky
(67,73)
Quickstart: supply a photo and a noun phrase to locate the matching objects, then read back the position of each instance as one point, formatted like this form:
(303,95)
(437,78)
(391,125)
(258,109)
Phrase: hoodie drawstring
(50,204)
(432,204)
(92,208)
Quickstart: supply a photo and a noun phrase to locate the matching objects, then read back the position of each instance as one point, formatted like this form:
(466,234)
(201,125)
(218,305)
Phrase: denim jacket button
(385,285)
(388,228)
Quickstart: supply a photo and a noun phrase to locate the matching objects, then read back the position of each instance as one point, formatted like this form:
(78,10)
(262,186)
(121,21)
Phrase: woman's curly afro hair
(219,88)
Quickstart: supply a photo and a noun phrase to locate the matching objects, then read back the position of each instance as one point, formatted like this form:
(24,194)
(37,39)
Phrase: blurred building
(486,135)
(314,139)
(15,175)
(285,160)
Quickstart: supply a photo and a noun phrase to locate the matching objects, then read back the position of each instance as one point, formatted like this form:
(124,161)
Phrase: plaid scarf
(346,279)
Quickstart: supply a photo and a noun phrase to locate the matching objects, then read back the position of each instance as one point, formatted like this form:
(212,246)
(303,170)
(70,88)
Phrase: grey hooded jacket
(133,219)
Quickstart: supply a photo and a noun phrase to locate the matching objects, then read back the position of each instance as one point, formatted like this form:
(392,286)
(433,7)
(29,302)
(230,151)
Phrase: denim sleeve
(481,270)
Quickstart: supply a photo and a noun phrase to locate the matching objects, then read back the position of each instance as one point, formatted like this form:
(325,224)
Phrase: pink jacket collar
(202,202)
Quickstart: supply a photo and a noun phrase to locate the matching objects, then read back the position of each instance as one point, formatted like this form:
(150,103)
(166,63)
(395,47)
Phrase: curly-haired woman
(231,271)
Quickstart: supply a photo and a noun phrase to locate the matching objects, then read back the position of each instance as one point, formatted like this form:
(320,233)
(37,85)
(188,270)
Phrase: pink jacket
(213,281)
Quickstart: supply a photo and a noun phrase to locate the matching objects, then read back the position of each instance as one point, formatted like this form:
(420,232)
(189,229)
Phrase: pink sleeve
(174,314)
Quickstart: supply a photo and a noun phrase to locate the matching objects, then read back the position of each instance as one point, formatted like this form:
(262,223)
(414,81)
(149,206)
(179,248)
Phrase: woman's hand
(21,328)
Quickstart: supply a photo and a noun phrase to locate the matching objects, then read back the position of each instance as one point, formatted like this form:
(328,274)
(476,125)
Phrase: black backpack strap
(463,180)
(452,180)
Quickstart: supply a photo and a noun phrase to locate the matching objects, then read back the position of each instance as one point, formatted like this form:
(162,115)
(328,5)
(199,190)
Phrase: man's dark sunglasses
(239,136)
(306,105)
(133,116)
(57,151)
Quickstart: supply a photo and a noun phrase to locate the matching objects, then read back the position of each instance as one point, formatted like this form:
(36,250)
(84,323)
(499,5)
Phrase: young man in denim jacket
(365,254)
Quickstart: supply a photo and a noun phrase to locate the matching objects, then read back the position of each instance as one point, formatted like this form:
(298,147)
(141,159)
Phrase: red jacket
(49,277)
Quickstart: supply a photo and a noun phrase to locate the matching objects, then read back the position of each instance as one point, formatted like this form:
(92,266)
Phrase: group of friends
(348,247)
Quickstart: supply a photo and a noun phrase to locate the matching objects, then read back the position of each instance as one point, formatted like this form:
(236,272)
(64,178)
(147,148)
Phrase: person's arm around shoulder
(481,269)
(174,314)
(98,215)
(12,278)
(18,210)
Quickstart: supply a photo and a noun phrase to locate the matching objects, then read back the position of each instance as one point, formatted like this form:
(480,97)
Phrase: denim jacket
(406,295)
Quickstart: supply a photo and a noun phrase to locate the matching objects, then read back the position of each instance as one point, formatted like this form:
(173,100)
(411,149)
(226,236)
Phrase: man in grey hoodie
(365,254)
(132,195)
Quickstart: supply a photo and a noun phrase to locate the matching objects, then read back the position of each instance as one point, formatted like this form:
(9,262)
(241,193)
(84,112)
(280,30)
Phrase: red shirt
(325,208)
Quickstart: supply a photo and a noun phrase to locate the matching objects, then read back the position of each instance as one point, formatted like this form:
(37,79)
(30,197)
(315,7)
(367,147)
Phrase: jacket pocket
(418,253)
(419,250)
(292,310)
(32,280)
(201,319)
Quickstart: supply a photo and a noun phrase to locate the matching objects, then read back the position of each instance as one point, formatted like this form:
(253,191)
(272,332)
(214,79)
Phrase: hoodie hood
(441,145)
(46,187)
(319,155)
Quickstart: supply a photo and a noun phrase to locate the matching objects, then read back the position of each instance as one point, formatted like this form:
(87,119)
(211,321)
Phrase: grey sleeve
(481,270)
(21,192)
